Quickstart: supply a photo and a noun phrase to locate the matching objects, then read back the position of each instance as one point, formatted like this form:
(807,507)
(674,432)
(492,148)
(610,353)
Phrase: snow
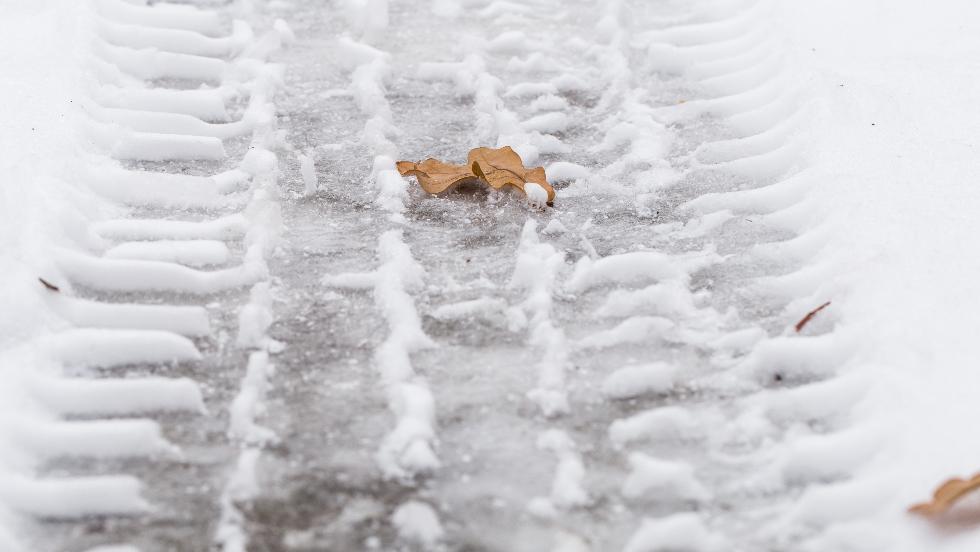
(120,548)
(176,40)
(548,102)
(417,522)
(678,532)
(73,497)
(249,403)
(94,347)
(535,272)
(627,268)
(409,448)
(670,298)
(255,319)
(525,89)
(189,321)
(73,71)
(655,479)
(493,310)
(568,484)
(226,227)
(167,16)
(136,275)
(241,486)
(632,381)
(892,147)
(636,329)
(536,195)
(554,227)
(90,397)
(308,170)
(564,170)
(187,252)
(661,424)
(97,439)
(205,104)
(766,157)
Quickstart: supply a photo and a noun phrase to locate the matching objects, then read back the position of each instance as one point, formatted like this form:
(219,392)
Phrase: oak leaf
(946,495)
(500,169)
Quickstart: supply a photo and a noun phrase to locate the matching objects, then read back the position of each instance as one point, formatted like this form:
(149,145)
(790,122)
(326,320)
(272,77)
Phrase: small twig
(809,316)
(49,285)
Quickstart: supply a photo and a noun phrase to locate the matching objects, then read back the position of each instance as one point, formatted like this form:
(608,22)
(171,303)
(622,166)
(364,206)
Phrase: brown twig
(806,319)
(49,285)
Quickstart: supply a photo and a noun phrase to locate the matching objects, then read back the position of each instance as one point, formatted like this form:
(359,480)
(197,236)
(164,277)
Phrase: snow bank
(74,73)
(893,151)
(853,129)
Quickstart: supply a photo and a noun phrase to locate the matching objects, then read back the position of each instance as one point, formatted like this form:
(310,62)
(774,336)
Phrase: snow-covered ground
(228,323)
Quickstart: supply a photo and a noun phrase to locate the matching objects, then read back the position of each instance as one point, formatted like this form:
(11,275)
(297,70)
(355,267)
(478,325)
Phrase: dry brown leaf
(436,177)
(498,168)
(946,495)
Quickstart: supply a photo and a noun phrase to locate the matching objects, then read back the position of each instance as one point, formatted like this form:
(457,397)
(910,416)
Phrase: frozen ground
(264,339)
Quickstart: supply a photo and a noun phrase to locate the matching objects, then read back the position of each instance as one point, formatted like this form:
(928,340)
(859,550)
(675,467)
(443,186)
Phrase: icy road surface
(365,367)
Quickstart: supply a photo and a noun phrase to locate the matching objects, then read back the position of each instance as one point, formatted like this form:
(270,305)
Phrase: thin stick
(810,315)
(48,284)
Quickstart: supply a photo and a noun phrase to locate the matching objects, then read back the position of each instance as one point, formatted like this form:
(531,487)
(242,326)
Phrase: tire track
(123,296)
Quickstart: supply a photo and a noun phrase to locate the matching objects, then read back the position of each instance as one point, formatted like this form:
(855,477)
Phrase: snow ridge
(751,89)
(538,265)
(408,451)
